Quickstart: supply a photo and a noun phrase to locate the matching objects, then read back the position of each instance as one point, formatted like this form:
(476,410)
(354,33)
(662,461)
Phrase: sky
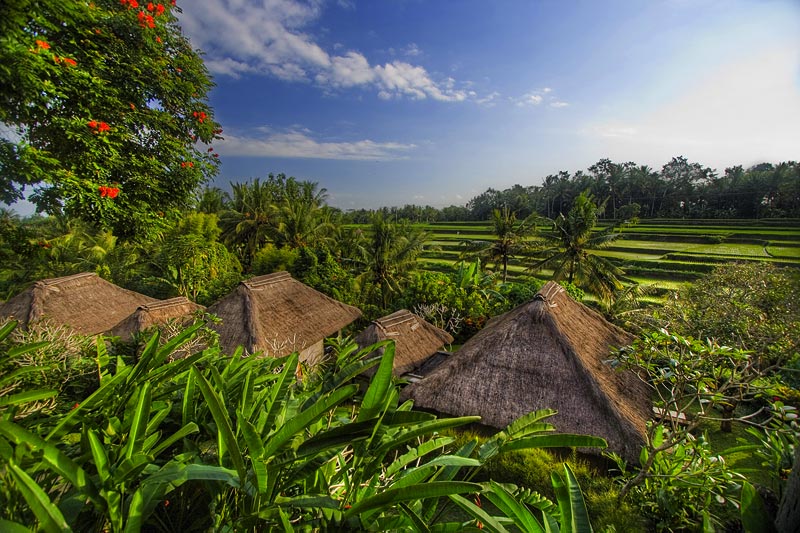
(389,102)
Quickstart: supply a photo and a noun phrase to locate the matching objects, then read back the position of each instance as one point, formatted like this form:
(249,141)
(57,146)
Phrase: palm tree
(566,249)
(304,219)
(388,257)
(510,240)
(251,218)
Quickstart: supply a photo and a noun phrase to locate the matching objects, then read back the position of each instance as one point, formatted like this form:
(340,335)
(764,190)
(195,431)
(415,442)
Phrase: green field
(663,253)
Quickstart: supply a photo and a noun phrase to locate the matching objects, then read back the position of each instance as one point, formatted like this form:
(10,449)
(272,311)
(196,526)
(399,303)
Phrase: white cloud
(539,96)
(743,112)
(267,37)
(300,143)
(529,99)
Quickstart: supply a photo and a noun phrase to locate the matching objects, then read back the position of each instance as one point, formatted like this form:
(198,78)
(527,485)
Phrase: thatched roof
(85,302)
(277,314)
(155,314)
(415,339)
(548,353)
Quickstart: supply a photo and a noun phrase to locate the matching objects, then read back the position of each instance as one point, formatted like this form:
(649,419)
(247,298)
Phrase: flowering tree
(105,113)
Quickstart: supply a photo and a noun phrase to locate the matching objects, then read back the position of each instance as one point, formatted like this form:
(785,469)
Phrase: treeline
(681,189)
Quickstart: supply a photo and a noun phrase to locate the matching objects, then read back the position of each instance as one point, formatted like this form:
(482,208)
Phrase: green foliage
(191,261)
(686,486)
(319,269)
(510,240)
(271,259)
(211,442)
(107,109)
(566,249)
(747,305)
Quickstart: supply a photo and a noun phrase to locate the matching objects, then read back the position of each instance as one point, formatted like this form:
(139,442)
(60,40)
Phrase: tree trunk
(788,520)
(726,425)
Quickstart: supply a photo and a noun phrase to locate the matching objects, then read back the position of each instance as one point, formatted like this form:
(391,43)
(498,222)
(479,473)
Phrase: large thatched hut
(179,309)
(85,302)
(551,352)
(415,339)
(276,314)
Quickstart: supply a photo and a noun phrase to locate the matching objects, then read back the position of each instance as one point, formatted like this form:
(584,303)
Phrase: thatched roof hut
(85,302)
(277,314)
(155,314)
(548,353)
(415,339)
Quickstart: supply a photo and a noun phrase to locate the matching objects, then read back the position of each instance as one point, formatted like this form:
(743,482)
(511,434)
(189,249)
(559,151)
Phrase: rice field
(663,253)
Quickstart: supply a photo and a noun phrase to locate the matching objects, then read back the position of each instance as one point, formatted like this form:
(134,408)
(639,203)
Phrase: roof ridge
(269,279)
(161,304)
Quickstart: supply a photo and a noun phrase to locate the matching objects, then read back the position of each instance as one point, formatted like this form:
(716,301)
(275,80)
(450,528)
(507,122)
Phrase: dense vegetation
(95,437)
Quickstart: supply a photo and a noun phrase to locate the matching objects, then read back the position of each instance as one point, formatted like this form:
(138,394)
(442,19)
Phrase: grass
(665,253)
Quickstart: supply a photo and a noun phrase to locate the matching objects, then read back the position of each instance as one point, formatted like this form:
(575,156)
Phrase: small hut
(85,302)
(415,339)
(178,309)
(551,352)
(276,314)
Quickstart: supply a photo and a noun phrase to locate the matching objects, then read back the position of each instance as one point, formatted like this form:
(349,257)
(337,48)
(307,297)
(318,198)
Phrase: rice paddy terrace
(661,252)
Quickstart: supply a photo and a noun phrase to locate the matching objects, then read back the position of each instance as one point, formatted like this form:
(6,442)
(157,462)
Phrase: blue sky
(388,102)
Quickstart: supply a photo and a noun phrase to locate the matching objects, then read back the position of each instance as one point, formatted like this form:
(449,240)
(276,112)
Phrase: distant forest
(679,190)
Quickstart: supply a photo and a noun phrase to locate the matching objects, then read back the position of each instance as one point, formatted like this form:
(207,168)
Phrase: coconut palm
(388,257)
(251,218)
(304,219)
(510,240)
(566,249)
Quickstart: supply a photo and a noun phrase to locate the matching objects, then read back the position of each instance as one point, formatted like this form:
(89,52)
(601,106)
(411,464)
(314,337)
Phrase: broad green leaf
(488,521)
(223,422)
(579,522)
(303,419)
(99,455)
(337,437)
(505,501)
(16,351)
(54,458)
(49,517)
(376,395)
(12,527)
(419,491)
(416,520)
(558,440)
(755,518)
(26,397)
(139,423)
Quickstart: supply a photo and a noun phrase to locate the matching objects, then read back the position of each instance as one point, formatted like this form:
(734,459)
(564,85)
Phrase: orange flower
(42,45)
(92,124)
(69,61)
(103,191)
(103,127)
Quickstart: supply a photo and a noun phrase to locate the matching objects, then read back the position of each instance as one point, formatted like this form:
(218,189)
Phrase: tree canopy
(106,112)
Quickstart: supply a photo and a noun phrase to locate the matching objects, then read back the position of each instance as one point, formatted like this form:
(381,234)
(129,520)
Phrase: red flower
(166,503)
(103,127)
(159,9)
(210,148)
(103,191)
(92,124)
(42,45)
(76,405)
(173,2)
(158,39)
(150,6)
(113,192)
(215,155)
(70,62)
(134,4)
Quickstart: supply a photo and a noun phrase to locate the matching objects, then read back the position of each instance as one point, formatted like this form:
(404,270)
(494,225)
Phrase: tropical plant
(191,261)
(251,218)
(387,258)
(237,443)
(510,240)
(566,249)
(105,104)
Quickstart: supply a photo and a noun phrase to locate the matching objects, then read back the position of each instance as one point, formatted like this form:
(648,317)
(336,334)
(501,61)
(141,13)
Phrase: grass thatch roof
(548,353)
(277,314)
(415,339)
(155,314)
(85,302)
